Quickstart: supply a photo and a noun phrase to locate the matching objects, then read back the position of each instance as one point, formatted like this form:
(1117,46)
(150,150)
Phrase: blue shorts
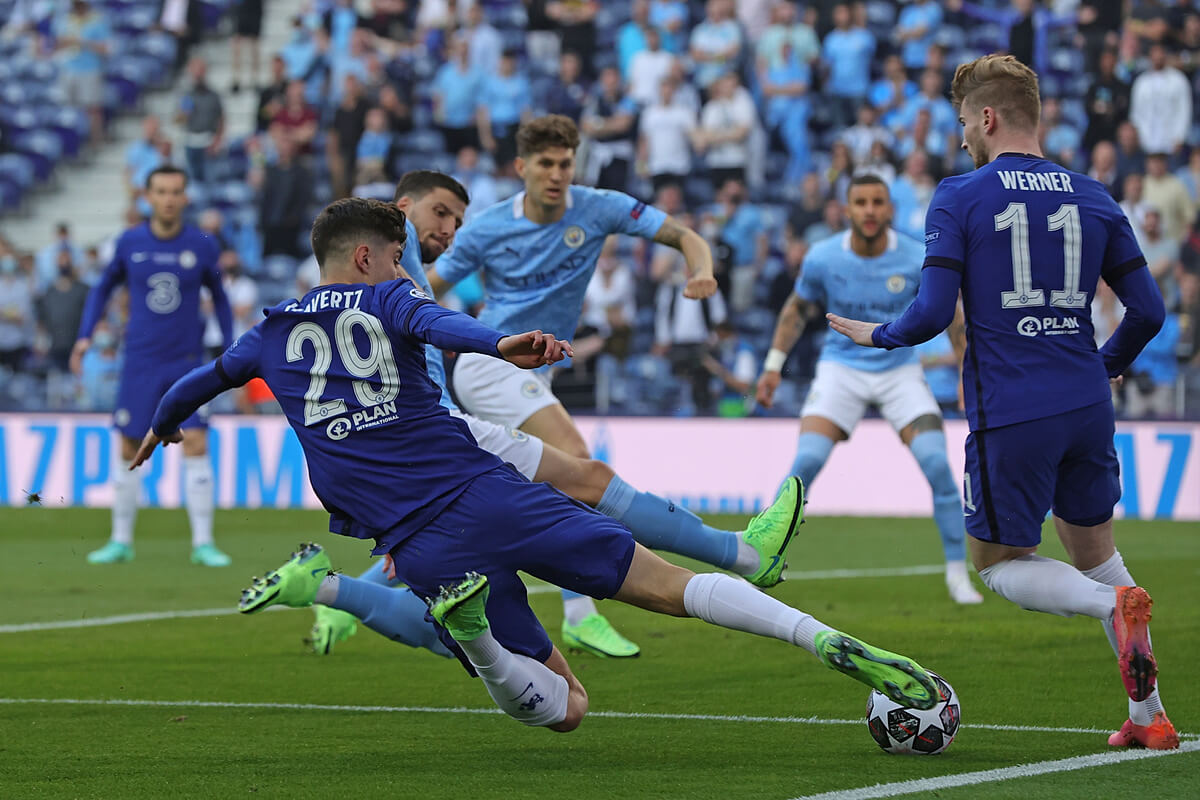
(1015,474)
(143,385)
(502,523)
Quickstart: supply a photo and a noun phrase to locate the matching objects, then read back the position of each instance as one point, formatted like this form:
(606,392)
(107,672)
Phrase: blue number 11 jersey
(1031,240)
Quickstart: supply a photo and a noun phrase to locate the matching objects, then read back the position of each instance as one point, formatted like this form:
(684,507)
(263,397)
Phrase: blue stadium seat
(18,169)
(10,195)
(42,147)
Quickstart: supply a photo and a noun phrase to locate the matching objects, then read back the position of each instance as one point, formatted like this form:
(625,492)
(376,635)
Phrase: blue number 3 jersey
(1031,240)
(348,368)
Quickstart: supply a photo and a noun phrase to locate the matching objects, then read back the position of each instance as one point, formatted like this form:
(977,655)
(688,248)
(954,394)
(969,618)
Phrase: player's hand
(855,330)
(768,382)
(77,353)
(149,443)
(699,287)
(389,567)
(533,349)
(1115,383)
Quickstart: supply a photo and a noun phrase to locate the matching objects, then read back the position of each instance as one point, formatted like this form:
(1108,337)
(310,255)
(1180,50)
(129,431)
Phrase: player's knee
(577,708)
(929,448)
(596,478)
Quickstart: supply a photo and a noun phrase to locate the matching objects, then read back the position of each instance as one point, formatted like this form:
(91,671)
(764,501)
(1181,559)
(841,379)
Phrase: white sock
(576,609)
(125,503)
(1114,573)
(327,592)
(1037,583)
(525,689)
(198,490)
(746,561)
(732,603)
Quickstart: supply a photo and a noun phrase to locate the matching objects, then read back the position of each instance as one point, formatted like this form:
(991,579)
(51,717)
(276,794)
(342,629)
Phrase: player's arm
(958,340)
(93,309)
(212,279)
(929,314)
(234,368)
(1144,316)
(793,317)
(696,253)
(420,317)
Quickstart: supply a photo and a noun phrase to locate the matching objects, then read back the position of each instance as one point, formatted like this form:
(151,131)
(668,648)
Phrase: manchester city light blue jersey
(870,289)
(535,276)
(414,265)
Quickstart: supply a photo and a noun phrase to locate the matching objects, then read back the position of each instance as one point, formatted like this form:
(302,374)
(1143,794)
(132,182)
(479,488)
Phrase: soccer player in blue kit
(538,250)
(1026,242)
(347,363)
(869,271)
(434,205)
(163,262)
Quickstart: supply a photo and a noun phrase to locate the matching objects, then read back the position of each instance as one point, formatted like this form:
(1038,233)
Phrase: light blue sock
(812,451)
(929,448)
(661,525)
(397,614)
(377,574)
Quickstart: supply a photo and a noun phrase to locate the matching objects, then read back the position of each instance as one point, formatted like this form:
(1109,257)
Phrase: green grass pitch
(1010,667)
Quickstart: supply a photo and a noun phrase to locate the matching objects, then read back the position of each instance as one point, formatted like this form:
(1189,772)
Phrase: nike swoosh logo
(774,562)
(318,571)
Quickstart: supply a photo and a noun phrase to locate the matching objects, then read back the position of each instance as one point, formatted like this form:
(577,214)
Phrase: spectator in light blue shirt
(847,52)
(1062,139)
(716,43)
(503,101)
(455,90)
(889,92)
(785,89)
(631,37)
(376,140)
(942,118)
(670,17)
(915,31)
(82,40)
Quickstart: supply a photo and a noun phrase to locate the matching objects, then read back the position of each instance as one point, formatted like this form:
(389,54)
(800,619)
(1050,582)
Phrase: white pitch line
(738,718)
(154,616)
(1000,774)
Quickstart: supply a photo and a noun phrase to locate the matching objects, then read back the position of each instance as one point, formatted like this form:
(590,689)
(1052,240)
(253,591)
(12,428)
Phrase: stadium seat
(42,147)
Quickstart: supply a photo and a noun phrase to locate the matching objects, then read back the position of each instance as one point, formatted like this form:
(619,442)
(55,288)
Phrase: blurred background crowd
(745,119)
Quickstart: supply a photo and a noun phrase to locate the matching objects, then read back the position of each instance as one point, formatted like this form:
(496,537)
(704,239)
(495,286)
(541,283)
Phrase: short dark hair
(542,133)
(350,220)
(166,169)
(419,182)
(867,179)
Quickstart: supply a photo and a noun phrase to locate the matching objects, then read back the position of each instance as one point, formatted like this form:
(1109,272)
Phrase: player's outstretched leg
(395,613)
(586,629)
(523,688)
(1131,621)
(653,584)
(770,532)
(330,627)
(294,584)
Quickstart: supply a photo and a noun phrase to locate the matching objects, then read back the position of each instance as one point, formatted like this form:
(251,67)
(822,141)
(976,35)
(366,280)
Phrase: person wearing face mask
(59,311)
(101,374)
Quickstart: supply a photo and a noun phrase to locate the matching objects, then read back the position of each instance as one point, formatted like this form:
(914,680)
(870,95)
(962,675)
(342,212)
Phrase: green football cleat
(594,634)
(208,555)
(332,626)
(111,553)
(772,529)
(900,678)
(294,584)
(462,609)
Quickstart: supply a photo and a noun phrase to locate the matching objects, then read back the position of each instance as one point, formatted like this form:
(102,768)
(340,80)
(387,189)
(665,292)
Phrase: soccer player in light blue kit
(1026,242)
(347,364)
(434,205)
(164,263)
(538,251)
(869,271)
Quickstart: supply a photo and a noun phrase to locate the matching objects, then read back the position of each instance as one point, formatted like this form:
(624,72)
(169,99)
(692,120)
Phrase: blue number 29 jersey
(1031,240)
(347,364)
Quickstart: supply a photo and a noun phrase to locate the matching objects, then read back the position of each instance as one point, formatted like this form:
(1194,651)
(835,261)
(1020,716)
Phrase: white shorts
(495,390)
(515,447)
(841,394)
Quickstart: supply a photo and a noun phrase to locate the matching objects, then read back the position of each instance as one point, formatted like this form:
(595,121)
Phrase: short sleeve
(240,362)
(1122,254)
(463,258)
(810,285)
(945,242)
(624,214)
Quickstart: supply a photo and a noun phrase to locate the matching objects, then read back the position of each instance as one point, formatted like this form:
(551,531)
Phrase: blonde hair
(1001,82)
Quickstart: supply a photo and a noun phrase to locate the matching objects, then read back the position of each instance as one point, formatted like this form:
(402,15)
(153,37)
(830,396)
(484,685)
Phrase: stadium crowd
(746,120)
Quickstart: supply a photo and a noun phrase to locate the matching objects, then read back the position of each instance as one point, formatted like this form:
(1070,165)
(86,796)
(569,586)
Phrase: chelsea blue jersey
(870,289)
(535,276)
(164,277)
(1031,241)
(347,364)
(415,267)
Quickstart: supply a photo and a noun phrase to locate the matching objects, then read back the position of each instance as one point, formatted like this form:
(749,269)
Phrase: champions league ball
(910,731)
